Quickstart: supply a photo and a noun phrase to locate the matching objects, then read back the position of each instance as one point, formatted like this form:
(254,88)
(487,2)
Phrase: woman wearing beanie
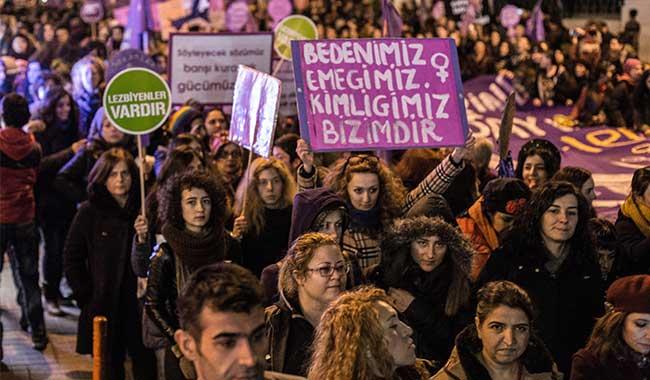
(619,347)
(490,219)
(633,225)
(537,162)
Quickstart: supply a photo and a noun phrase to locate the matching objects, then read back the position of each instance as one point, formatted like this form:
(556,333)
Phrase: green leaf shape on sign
(137,101)
(295,27)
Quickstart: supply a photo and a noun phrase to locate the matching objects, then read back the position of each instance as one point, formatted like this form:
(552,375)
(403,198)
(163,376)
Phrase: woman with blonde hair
(375,196)
(360,337)
(87,89)
(264,223)
(313,275)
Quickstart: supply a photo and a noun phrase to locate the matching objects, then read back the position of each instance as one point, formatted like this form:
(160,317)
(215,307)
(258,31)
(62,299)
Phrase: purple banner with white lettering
(389,93)
(611,154)
(255,109)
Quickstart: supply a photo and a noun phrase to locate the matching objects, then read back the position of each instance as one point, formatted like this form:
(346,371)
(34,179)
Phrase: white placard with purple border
(203,66)
(255,110)
(388,93)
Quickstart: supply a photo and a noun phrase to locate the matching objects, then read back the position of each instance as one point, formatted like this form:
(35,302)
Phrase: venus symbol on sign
(442,68)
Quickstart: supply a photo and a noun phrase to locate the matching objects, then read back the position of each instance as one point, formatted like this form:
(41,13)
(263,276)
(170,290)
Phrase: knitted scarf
(639,213)
(194,250)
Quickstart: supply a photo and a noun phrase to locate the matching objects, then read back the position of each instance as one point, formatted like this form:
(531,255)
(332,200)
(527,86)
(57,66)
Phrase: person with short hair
(222,329)
(20,156)
(501,344)
(491,217)
(619,346)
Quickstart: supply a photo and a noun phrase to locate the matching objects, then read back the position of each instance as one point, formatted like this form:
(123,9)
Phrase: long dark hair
(527,230)
(48,112)
(543,148)
(103,167)
(642,92)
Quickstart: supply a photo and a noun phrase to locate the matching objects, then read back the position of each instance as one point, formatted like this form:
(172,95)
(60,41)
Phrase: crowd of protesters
(424,265)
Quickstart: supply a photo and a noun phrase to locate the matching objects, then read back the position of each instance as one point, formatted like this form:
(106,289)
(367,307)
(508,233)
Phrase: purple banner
(255,110)
(611,154)
(367,94)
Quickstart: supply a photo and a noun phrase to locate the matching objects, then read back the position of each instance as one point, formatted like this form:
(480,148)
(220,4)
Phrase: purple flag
(535,24)
(140,21)
(392,24)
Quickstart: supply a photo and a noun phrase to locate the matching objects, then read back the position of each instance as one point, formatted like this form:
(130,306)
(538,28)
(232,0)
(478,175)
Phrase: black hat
(507,195)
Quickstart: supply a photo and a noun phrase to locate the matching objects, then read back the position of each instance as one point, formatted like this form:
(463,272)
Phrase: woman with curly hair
(375,196)
(501,343)
(96,262)
(192,207)
(361,337)
(619,347)
(265,220)
(425,268)
(549,253)
(312,276)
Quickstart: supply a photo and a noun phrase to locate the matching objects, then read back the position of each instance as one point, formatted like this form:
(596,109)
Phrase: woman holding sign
(97,265)
(375,195)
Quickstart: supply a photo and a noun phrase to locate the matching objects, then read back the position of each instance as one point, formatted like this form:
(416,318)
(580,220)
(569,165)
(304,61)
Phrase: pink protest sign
(255,109)
(389,93)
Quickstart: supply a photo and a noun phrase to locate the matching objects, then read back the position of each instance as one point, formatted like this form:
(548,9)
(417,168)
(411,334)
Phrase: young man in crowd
(20,156)
(222,324)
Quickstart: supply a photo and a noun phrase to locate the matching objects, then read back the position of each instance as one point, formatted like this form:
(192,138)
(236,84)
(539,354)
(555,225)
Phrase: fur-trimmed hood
(463,364)
(395,247)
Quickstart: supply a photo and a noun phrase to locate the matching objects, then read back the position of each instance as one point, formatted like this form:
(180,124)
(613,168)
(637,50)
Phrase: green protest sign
(294,27)
(137,101)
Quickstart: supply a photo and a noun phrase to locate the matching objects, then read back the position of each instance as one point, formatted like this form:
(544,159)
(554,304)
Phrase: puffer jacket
(464,364)
(477,229)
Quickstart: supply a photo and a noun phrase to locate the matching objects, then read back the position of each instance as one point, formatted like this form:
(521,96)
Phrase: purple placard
(388,93)
(510,16)
(255,109)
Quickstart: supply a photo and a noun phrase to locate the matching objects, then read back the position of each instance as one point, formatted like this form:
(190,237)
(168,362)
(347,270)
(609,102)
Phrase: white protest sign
(255,110)
(203,66)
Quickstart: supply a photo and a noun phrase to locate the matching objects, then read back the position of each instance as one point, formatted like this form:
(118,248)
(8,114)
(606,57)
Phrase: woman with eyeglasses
(424,268)
(312,276)
(375,196)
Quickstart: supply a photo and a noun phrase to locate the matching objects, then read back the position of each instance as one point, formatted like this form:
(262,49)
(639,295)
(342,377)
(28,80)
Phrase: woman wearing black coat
(97,265)
(425,269)
(633,225)
(550,255)
(193,209)
(59,141)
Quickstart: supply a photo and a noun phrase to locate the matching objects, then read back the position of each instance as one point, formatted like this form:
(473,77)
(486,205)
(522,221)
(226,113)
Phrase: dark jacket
(162,291)
(88,104)
(586,366)
(271,244)
(463,364)
(568,301)
(433,329)
(288,352)
(96,263)
(619,105)
(56,143)
(633,247)
(20,156)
